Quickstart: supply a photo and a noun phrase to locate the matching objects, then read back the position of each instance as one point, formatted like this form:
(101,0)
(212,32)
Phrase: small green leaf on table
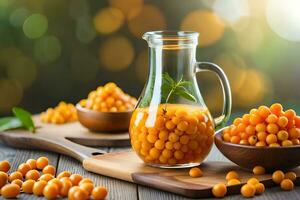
(25,117)
(8,123)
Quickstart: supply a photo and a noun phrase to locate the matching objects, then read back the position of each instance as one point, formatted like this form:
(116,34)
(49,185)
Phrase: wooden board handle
(49,143)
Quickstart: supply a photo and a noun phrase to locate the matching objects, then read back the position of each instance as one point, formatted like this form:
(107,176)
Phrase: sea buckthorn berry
(51,191)
(291,175)
(294,133)
(195,172)
(232,175)
(250,130)
(170,125)
(261,127)
(63,174)
(99,193)
(278,176)
(297,121)
(31,163)
(46,177)
(24,168)
(17,182)
(233,182)
(66,185)
(75,179)
(248,190)
(77,193)
(259,188)
(287,184)
(252,140)
(272,118)
(15,175)
(42,162)
(271,138)
(109,99)
(27,186)
(87,187)
(252,181)
(10,191)
(62,113)
(38,187)
(290,114)
(261,136)
(287,143)
(235,139)
(237,121)
(4,166)
(244,142)
(32,174)
(276,109)
(241,127)
(282,135)
(219,190)
(259,170)
(282,121)
(49,169)
(55,181)
(255,119)
(274,145)
(261,144)
(3,179)
(253,111)
(264,111)
(246,118)
(272,128)
(182,126)
(295,141)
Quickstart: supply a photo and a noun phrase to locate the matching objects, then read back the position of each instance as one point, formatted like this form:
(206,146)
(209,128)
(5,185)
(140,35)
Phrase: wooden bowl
(271,158)
(103,121)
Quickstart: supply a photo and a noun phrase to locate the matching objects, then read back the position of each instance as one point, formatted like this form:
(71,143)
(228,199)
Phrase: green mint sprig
(170,88)
(22,119)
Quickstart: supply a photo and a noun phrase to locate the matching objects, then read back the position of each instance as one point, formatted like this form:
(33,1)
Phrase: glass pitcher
(171,126)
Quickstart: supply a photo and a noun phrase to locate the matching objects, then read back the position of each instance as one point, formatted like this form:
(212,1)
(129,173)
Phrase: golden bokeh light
(254,89)
(23,70)
(130,8)
(207,23)
(108,20)
(11,94)
(141,66)
(149,19)
(116,53)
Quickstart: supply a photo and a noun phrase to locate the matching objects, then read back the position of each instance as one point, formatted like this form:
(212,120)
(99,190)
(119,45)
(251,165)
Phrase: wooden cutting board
(127,166)
(70,131)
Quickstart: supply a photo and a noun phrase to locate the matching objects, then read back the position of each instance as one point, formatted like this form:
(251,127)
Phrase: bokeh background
(53,50)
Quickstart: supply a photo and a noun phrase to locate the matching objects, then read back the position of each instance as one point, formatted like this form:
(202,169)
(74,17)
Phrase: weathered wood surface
(121,189)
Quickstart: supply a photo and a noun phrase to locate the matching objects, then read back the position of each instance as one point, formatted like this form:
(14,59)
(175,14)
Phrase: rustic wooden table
(120,189)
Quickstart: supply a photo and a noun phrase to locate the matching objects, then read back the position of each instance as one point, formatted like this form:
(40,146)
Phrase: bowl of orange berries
(266,136)
(106,109)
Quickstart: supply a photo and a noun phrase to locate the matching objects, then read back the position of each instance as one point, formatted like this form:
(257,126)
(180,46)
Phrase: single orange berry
(219,190)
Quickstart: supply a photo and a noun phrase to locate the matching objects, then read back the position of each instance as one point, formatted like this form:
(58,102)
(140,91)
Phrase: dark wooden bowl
(103,121)
(271,158)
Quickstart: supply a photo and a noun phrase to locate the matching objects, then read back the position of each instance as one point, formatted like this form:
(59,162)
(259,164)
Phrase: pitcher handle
(207,66)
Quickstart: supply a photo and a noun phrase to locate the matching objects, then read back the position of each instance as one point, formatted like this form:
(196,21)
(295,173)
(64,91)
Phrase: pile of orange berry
(38,177)
(179,134)
(109,98)
(265,126)
(62,113)
(253,186)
